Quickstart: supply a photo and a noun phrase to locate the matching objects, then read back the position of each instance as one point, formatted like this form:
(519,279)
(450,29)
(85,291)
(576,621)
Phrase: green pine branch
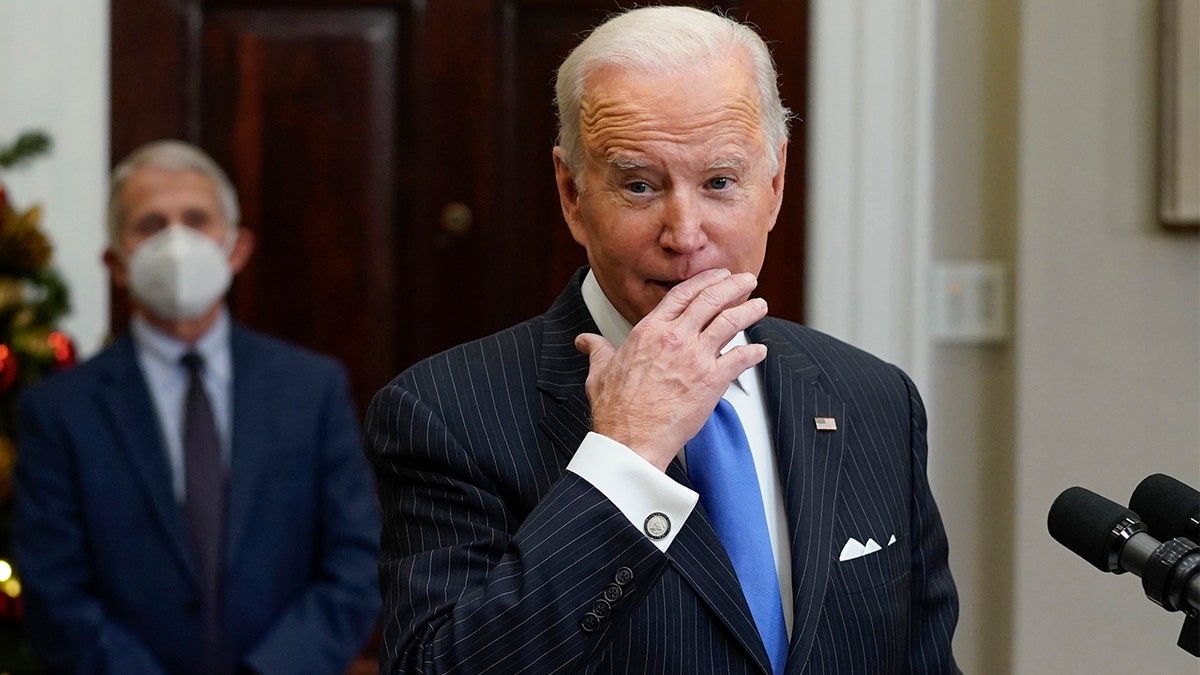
(27,146)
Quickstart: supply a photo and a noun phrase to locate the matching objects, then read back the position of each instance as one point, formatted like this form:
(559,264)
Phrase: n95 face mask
(179,273)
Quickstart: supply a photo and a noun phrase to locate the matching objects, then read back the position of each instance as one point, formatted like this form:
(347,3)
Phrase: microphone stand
(1189,636)
(1171,579)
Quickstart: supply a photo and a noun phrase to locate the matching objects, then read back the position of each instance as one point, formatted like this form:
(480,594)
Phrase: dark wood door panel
(449,254)
(300,105)
(784,25)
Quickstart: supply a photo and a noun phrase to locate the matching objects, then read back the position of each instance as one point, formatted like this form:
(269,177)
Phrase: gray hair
(665,40)
(169,155)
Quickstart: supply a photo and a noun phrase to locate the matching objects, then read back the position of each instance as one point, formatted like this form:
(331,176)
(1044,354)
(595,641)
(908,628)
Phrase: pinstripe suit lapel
(809,464)
(562,369)
(699,556)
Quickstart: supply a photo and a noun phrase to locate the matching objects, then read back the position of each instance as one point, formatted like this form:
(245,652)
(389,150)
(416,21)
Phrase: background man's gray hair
(664,40)
(169,155)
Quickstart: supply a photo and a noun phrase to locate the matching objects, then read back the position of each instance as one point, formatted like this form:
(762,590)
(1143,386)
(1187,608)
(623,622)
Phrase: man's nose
(683,224)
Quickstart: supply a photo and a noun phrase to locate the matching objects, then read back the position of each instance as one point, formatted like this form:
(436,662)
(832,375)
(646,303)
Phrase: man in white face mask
(194,498)
(175,244)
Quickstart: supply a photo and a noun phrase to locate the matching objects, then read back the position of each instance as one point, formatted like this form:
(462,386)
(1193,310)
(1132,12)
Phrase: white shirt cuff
(651,500)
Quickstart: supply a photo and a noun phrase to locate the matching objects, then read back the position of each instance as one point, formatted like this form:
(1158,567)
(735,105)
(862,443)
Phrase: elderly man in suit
(194,498)
(653,477)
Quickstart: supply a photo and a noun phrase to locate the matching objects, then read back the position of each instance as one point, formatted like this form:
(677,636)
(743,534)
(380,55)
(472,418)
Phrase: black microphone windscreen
(1169,507)
(1083,521)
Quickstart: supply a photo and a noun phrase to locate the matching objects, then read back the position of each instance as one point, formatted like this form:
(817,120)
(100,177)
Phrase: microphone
(1114,539)
(1170,508)
(1094,528)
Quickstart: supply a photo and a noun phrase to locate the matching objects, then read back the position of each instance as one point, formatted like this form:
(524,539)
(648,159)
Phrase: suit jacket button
(192,606)
(624,576)
(602,608)
(589,623)
(613,593)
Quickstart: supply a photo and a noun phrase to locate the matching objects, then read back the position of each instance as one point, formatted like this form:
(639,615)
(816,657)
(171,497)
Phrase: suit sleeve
(934,600)
(470,583)
(68,627)
(327,625)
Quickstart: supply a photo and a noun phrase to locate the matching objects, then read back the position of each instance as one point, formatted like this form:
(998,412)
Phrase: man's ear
(568,197)
(116,267)
(243,246)
(777,183)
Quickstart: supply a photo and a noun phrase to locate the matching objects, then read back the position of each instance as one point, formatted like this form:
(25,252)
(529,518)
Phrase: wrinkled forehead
(156,184)
(170,194)
(711,101)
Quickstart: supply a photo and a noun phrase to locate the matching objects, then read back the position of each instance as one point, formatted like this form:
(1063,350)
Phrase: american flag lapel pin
(825,423)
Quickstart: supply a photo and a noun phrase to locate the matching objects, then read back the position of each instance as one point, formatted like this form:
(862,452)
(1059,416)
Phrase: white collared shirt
(638,489)
(167,379)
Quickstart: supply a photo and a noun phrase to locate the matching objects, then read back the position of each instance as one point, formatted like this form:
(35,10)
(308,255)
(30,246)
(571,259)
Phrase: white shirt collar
(166,350)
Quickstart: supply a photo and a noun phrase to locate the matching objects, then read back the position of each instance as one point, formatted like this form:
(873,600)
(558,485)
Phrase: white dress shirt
(639,489)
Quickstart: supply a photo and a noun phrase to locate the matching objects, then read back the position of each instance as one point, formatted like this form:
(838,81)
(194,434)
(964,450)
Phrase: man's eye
(719,183)
(638,188)
(197,219)
(149,225)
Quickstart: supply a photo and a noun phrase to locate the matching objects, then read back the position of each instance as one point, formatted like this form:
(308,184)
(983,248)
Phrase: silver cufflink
(657,525)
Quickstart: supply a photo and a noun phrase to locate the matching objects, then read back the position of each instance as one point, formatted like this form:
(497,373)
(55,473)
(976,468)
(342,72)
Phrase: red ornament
(63,350)
(8,368)
(11,607)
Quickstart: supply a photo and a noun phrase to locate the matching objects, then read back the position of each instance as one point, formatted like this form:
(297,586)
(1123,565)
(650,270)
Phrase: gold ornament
(23,248)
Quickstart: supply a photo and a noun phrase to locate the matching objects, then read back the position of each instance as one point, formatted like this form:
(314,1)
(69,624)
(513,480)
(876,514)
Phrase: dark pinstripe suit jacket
(492,553)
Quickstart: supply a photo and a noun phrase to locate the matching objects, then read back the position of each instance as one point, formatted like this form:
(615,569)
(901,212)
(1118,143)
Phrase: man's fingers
(679,298)
(732,320)
(694,303)
(720,310)
(741,358)
(710,307)
(716,298)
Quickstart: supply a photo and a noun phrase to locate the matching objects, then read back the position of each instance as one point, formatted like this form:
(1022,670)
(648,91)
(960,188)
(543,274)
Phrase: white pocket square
(856,549)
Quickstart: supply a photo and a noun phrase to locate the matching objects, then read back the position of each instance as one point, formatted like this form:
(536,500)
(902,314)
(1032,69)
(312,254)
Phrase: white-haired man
(193,499)
(653,477)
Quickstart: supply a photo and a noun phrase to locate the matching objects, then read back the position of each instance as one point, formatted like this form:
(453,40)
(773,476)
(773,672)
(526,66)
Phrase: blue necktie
(204,507)
(721,468)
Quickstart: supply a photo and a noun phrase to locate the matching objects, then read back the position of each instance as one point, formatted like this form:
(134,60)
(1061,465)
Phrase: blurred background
(974,192)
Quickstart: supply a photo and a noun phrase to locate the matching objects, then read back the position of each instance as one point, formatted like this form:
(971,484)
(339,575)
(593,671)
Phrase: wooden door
(393,157)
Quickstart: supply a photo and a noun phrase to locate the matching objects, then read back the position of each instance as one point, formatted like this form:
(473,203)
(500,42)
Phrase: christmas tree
(33,298)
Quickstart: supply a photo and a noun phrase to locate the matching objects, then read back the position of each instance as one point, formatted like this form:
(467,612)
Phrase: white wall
(970,394)
(1020,132)
(1108,329)
(54,77)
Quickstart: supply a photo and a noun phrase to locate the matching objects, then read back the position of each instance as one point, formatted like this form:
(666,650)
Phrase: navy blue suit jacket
(109,581)
(492,553)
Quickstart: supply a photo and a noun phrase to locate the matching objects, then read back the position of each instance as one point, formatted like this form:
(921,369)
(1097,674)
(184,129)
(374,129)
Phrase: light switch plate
(970,302)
